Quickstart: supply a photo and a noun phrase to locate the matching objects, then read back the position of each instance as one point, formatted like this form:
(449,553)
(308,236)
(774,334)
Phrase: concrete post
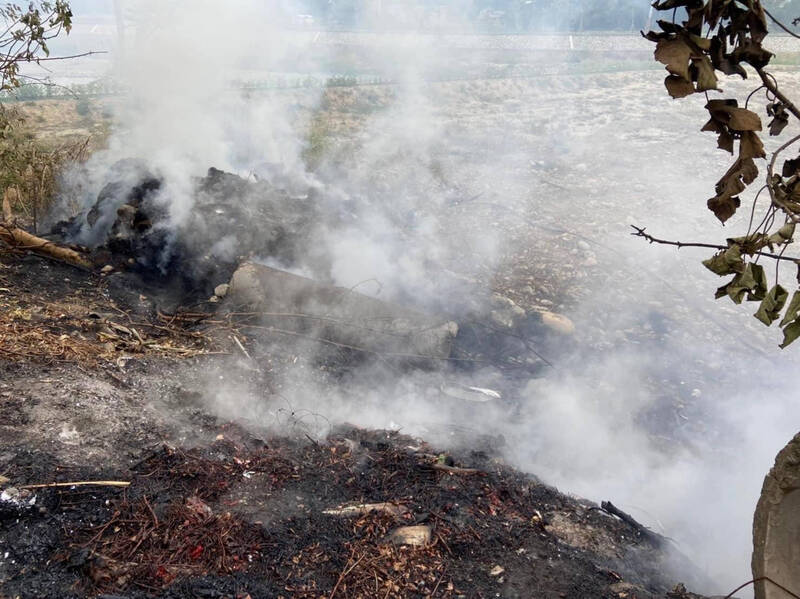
(776,527)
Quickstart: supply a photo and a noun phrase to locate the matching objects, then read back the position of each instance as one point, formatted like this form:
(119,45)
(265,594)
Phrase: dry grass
(47,318)
(39,140)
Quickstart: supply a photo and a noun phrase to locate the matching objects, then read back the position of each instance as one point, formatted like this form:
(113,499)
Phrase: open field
(664,401)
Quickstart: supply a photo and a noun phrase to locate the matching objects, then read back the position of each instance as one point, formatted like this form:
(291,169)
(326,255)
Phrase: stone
(497,571)
(558,323)
(221,290)
(505,313)
(776,527)
(417,536)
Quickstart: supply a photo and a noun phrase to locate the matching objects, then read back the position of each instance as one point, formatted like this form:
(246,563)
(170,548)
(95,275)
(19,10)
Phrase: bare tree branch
(641,232)
(781,25)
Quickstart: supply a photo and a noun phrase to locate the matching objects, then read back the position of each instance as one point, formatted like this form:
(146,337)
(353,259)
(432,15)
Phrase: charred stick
(653,537)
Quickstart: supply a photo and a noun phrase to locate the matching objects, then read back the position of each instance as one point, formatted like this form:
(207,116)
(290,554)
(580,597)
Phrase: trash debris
(653,537)
(476,394)
(17,497)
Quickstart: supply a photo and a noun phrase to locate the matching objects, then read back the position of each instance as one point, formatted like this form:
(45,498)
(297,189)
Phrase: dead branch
(654,537)
(769,83)
(781,25)
(640,232)
(83,483)
(367,508)
(761,579)
(771,178)
(454,469)
(70,57)
(19,239)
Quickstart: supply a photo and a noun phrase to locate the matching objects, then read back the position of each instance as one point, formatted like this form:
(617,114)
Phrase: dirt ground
(217,510)
(97,383)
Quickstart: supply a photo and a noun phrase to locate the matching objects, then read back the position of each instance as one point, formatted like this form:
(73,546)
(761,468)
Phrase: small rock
(497,571)
(221,290)
(505,314)
(107,269)
(213,299)
(417,536)
(558,323)
(582,245)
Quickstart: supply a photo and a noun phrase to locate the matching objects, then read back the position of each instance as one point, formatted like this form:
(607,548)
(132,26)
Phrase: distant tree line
(508,16)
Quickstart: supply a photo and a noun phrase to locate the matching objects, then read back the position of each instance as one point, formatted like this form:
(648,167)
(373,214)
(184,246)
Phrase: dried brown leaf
(675,54)
(750,146)
(733,182)
(725,141)
(678,87)
(780,117)
(748,171)
(742,119)
(706,78)
(791,167)
(724,207)
(752,53)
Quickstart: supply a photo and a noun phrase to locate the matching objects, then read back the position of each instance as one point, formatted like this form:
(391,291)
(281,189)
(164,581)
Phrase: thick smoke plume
(665,402)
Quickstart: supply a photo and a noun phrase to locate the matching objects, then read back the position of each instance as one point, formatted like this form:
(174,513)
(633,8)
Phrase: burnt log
(295,305)
(20,239)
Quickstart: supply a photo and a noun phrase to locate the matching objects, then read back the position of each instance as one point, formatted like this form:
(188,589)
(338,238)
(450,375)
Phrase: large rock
(776,527)
(336,314)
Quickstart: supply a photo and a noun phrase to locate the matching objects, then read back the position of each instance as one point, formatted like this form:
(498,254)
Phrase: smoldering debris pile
(359,514)
(218,249)
(130,227)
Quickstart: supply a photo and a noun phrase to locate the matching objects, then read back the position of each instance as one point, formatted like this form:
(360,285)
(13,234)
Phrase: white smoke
(657,405)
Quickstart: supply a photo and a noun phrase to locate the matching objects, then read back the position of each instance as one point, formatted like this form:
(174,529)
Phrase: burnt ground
(95,389)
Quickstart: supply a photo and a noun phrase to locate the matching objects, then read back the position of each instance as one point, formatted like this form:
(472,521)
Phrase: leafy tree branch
(27,33)
(724,37)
